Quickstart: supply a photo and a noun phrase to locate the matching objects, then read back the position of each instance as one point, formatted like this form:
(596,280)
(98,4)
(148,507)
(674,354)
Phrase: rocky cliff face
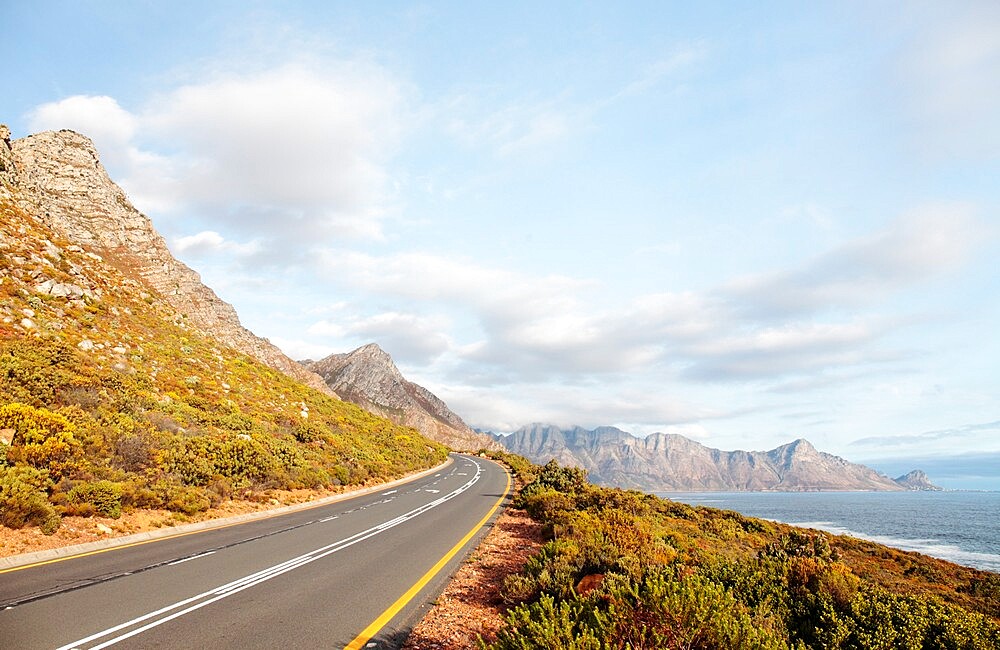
(61,181)
(668,462)
(369,378)
(917,480)
(8,175)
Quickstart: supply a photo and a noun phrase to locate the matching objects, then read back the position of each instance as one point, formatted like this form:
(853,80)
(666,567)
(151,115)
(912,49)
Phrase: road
(349,574)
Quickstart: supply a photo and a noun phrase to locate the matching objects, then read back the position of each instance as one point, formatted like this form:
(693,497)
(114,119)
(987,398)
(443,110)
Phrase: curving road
(350,574)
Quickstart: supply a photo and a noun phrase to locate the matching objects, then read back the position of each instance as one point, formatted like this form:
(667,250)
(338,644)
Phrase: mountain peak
(369,378)
(917,480)
(372,351)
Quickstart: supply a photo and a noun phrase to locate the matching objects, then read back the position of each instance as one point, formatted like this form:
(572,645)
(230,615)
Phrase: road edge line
(383,619)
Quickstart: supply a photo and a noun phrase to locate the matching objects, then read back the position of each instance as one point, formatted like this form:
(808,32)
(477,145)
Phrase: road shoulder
(471,606)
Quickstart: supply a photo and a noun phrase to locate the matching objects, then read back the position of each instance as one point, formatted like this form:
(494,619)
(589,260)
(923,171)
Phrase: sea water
(962,527)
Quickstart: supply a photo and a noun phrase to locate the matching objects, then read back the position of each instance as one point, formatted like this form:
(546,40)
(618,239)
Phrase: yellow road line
(306,506)
(386,616)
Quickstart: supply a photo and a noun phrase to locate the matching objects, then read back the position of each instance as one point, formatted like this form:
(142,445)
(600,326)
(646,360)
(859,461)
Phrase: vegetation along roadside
(623,569)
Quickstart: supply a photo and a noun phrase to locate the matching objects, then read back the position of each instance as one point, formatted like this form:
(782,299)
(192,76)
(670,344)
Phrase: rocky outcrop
(8,175)
(63,183)
(669,462)
(369,378)
(917,480)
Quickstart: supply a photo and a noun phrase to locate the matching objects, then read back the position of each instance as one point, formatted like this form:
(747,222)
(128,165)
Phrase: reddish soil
(470,606)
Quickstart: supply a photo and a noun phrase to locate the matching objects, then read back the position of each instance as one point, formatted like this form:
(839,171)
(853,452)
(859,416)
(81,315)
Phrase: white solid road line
(236,586)
(187,559)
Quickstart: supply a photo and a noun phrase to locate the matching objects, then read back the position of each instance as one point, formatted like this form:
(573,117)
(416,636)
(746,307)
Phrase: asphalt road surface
(354,574)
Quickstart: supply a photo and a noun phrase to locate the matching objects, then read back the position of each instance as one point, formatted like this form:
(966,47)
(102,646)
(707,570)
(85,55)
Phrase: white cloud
(208,242)
(291,136)
(770,352)
(100,118)
(817,321)
(424,276)
(694,431)
(919,245)
(409,338)
(293,155)
(568,406)
(983,436)
(301,350)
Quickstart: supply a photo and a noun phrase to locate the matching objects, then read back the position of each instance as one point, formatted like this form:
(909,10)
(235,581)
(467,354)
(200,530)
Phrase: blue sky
(745,223)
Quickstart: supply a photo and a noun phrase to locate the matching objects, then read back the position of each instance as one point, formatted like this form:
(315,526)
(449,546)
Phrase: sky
(745,223)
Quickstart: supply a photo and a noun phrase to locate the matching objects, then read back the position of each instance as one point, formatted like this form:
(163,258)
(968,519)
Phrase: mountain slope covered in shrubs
(110,402)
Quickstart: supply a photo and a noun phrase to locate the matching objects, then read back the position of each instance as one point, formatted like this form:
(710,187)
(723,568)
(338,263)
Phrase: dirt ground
(470,605)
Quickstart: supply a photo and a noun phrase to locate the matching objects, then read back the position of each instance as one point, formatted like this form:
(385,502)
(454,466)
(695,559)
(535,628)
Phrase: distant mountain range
(664,462)
(369,378)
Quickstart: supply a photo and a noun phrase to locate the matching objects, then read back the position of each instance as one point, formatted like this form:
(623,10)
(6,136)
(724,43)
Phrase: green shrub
(548,625)
(546,504)
(554,570)
(659,611)
(186,499)
(104,496)
(553,477)
(307,431)
(24,501)
(987,588)
(520,466)
(663,611)
(244,458)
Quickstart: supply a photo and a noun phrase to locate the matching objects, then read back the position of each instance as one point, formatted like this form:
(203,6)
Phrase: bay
(961,527)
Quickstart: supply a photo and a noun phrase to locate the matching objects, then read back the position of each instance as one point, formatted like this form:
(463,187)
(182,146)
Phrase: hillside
(369,378)
(112,399)
(62,183)
(669,462)
(623,569)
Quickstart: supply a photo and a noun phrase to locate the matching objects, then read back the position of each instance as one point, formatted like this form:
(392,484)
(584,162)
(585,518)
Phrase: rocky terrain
(668,462)
(60,181)
(369,378)
(917,480)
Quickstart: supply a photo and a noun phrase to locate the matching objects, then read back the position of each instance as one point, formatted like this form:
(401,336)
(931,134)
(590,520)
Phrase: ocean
(962,527)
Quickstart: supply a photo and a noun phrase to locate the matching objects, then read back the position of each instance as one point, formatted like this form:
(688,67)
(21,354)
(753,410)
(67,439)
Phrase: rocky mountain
(669,462)
(369,378)
(111,401)
(917,480)
(60,181)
